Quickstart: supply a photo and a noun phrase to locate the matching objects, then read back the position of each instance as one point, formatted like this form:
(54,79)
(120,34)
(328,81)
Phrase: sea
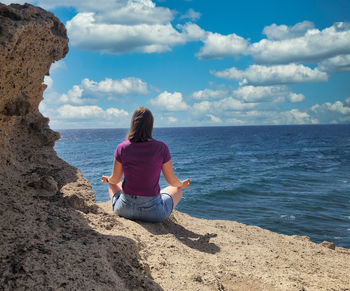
(291,179)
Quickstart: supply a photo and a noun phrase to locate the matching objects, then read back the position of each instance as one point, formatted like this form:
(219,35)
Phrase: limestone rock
(31,39)
(328,244)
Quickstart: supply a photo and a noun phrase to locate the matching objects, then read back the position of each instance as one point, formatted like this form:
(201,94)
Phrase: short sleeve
(118,153)
(166,154)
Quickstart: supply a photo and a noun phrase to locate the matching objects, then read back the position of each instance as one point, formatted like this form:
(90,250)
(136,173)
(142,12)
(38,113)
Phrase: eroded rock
(328,245)
(31,39)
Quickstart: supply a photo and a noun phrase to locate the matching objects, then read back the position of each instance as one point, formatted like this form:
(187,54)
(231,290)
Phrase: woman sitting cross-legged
(141,159)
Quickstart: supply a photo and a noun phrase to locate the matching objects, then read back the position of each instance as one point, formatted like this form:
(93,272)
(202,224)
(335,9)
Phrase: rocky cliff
(53,236)
(45,240)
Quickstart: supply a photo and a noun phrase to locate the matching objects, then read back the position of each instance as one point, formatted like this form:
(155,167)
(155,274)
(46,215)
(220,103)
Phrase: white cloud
(135,12)
(172,119)
(235,121)
(90,112)
(225,104)
(338,107)
(217,46)
(208,94)
(279,32)
(294,98)
(57,65)
(128,12)
(256,117)
(240,113)
(73,96)
(336,64)
(347,102)
(284,44)
(192,32)
(191,14)
(273,75)
(313,46)
(84,30)
(232,104)
(169,101)
(295,116)
(336,112)
(214,119)
(203,106)
(274,94)
(124,86)
(48,81)
(89,90)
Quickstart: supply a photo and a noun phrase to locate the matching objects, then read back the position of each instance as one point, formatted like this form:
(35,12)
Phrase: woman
(141,159)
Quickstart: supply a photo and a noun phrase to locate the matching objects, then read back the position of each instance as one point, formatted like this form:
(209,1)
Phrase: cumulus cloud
(124,86)
(84,29)
(48,81)
(245,95)
(336,64)
(209,94)
(294,98)
(230,103)
(73,96)
(295,116)
(217,46)
(225,104)
(314,45)
(90,112)
(214,119)
(191,14)
(89,90)
(284,44)
(337,107)
(203,106)
(256,117)
(328,112)
(134,12)
(169,101)
(127,12)
(273,75)
(274,94)
(192,32)
(279,32)
(244,113)
(172,119)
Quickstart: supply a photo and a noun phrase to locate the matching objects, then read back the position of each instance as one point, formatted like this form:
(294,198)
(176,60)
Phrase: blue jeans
(152,209)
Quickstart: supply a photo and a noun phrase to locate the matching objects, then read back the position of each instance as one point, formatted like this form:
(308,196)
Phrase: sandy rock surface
(186,253)
(53,236)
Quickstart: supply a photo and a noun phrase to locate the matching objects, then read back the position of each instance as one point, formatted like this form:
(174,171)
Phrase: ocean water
(288,179)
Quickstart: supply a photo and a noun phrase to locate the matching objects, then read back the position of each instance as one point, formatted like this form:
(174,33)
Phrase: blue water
(289,179)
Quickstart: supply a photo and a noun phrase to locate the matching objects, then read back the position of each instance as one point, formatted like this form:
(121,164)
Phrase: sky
(200,63)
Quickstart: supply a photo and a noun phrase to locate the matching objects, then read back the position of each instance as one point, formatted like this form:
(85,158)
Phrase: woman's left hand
(104,180)
(186,183)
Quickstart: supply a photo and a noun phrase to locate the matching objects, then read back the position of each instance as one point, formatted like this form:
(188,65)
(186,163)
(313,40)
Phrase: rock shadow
(58,248)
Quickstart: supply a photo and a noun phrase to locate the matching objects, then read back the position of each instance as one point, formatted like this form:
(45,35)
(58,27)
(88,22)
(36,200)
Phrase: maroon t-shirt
(142,163)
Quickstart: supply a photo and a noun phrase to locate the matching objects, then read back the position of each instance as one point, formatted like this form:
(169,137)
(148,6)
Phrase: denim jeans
(152,209)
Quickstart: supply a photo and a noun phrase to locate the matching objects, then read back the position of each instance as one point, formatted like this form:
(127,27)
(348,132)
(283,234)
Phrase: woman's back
(142,163)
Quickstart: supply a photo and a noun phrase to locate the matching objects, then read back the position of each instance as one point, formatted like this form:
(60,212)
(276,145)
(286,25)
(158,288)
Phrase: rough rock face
(31,40)
(45,240)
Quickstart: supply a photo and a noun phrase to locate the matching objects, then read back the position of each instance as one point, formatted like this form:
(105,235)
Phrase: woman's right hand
(186,183)
(104,180)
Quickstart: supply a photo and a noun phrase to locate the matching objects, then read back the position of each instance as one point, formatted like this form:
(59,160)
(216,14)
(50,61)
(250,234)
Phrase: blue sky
(200,63)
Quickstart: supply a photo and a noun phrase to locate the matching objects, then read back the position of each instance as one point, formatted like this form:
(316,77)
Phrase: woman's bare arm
(170,177)
(116,176)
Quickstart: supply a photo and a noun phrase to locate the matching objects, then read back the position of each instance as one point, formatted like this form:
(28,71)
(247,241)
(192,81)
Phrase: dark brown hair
(141,125)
